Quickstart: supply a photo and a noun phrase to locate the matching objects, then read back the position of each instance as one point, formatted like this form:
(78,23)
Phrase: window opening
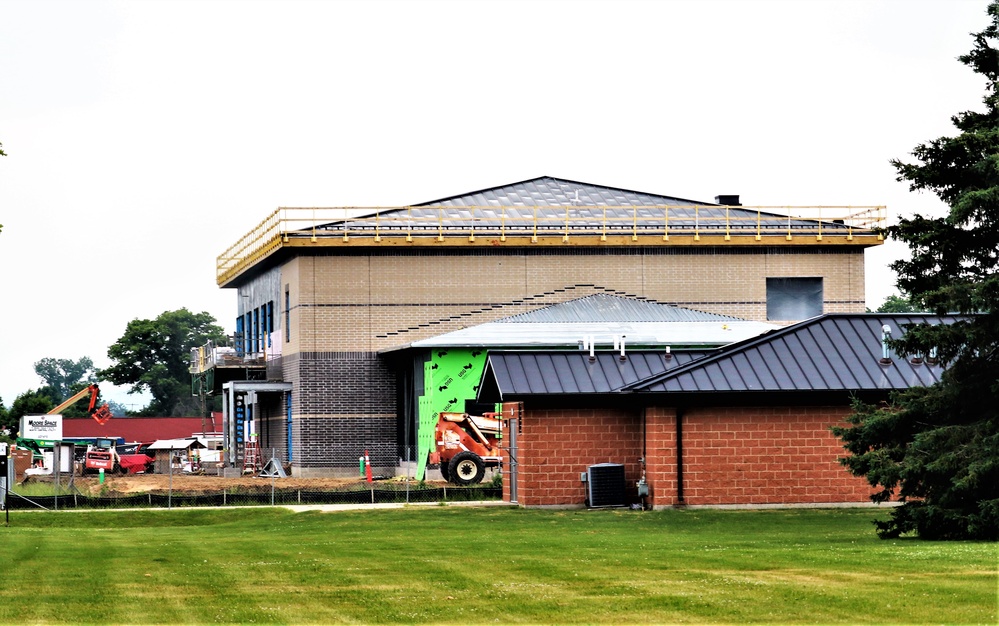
(793,298)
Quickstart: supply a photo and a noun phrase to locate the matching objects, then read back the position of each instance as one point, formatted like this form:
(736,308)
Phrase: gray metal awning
(175,444)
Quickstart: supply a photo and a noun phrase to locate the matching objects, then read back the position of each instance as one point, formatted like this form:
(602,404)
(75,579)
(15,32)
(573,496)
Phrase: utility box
(605,485)
(21,460)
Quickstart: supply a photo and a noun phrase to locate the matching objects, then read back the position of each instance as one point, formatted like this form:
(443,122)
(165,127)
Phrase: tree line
(151,356)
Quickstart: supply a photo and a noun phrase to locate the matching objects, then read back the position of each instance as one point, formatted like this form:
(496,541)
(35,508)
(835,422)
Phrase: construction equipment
(40,446)
(104,455)
(102,413)
(466,445)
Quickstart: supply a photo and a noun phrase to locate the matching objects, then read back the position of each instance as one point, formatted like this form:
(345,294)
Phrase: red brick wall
(555,447)
(741,455)
(660,445)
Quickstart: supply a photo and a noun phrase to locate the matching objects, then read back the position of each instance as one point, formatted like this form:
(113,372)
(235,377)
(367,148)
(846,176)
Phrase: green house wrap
(450,377)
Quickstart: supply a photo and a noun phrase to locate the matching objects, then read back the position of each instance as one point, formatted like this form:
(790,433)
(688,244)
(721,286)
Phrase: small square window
(792,299)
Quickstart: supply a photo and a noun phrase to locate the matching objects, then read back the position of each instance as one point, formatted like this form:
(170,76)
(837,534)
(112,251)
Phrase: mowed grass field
(460,565)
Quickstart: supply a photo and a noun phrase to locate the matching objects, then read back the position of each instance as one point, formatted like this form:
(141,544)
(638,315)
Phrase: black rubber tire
(444,470)
(467,469)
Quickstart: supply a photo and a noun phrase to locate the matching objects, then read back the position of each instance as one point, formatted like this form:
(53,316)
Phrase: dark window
(256,329)
(287,317)
(268,322)
(238,339)
(248,332)
(792,299)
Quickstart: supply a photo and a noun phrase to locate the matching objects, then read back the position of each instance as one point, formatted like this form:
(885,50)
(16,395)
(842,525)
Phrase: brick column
(660,456)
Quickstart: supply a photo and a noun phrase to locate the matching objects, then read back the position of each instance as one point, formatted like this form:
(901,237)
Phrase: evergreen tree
(937,448)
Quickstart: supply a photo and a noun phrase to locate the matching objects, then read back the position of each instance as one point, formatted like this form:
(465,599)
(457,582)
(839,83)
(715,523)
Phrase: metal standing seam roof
(603,317)
(545,200)
(605,307)
(832,352)
(559,373)
(175,444)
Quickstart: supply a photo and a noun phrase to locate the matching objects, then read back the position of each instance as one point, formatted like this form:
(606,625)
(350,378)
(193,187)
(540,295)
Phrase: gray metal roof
(511,374)
(833,352)
(548,191)
(605,307)
(603,317)
(830,353)
(519,207)
(176,444)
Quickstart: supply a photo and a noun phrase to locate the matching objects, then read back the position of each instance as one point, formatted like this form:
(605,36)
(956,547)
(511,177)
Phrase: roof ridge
(561,180)
(768,337)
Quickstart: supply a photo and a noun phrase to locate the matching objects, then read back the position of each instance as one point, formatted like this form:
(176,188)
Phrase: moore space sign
(43,427)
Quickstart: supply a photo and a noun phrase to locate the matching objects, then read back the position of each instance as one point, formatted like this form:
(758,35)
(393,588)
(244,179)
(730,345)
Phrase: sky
(144,137)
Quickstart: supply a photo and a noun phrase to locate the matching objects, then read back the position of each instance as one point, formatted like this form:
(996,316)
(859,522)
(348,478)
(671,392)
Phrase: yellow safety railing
(450,225)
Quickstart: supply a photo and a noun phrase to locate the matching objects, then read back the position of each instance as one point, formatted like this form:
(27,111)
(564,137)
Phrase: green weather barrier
(450,377)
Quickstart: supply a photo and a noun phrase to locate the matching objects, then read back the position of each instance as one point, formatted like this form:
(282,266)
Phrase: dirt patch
(197,485)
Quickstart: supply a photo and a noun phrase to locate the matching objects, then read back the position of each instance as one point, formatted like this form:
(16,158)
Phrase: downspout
(287,408)
(679,456)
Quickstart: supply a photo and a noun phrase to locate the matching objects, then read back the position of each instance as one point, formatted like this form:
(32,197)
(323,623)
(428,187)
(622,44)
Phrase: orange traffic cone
(367,467)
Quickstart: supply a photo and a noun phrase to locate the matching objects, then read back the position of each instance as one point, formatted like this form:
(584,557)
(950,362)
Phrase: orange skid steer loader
(466,445)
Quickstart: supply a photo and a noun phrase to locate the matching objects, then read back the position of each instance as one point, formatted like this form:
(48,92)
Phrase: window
(792,299)
(238,339)
(248,333)
(256,329)
(287,316)
(269,323)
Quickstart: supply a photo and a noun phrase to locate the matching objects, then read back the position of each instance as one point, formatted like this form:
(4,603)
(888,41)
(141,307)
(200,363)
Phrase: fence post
(170,484)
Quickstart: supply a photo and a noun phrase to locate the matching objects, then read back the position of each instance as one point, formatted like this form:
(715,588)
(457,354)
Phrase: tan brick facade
(364,302)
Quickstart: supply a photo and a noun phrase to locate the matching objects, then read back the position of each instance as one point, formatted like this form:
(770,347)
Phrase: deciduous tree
(66,375)
(154,355)
(898,304)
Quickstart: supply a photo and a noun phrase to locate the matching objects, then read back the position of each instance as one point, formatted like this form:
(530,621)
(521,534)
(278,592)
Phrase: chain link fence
(183,479)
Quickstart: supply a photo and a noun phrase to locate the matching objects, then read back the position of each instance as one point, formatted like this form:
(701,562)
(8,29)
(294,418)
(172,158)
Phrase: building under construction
(332,303)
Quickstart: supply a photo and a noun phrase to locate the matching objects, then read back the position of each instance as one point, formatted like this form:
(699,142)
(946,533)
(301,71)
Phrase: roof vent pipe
(669,355)
(593,357)
(885,336)
(623,357)
(931,358)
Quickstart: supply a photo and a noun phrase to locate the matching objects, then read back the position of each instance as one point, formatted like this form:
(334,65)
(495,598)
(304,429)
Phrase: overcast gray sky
(143,138)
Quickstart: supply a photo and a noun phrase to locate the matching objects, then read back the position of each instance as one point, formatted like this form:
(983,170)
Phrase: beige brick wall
(367,303)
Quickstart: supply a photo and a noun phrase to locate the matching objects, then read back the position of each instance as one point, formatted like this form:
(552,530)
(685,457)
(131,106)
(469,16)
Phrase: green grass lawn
(485,565)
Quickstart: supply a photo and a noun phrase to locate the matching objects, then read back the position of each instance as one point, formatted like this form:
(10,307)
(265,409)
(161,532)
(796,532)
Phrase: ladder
(251,457)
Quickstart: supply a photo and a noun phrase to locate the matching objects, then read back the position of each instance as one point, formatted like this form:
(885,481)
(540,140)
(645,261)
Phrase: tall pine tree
(937,447)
